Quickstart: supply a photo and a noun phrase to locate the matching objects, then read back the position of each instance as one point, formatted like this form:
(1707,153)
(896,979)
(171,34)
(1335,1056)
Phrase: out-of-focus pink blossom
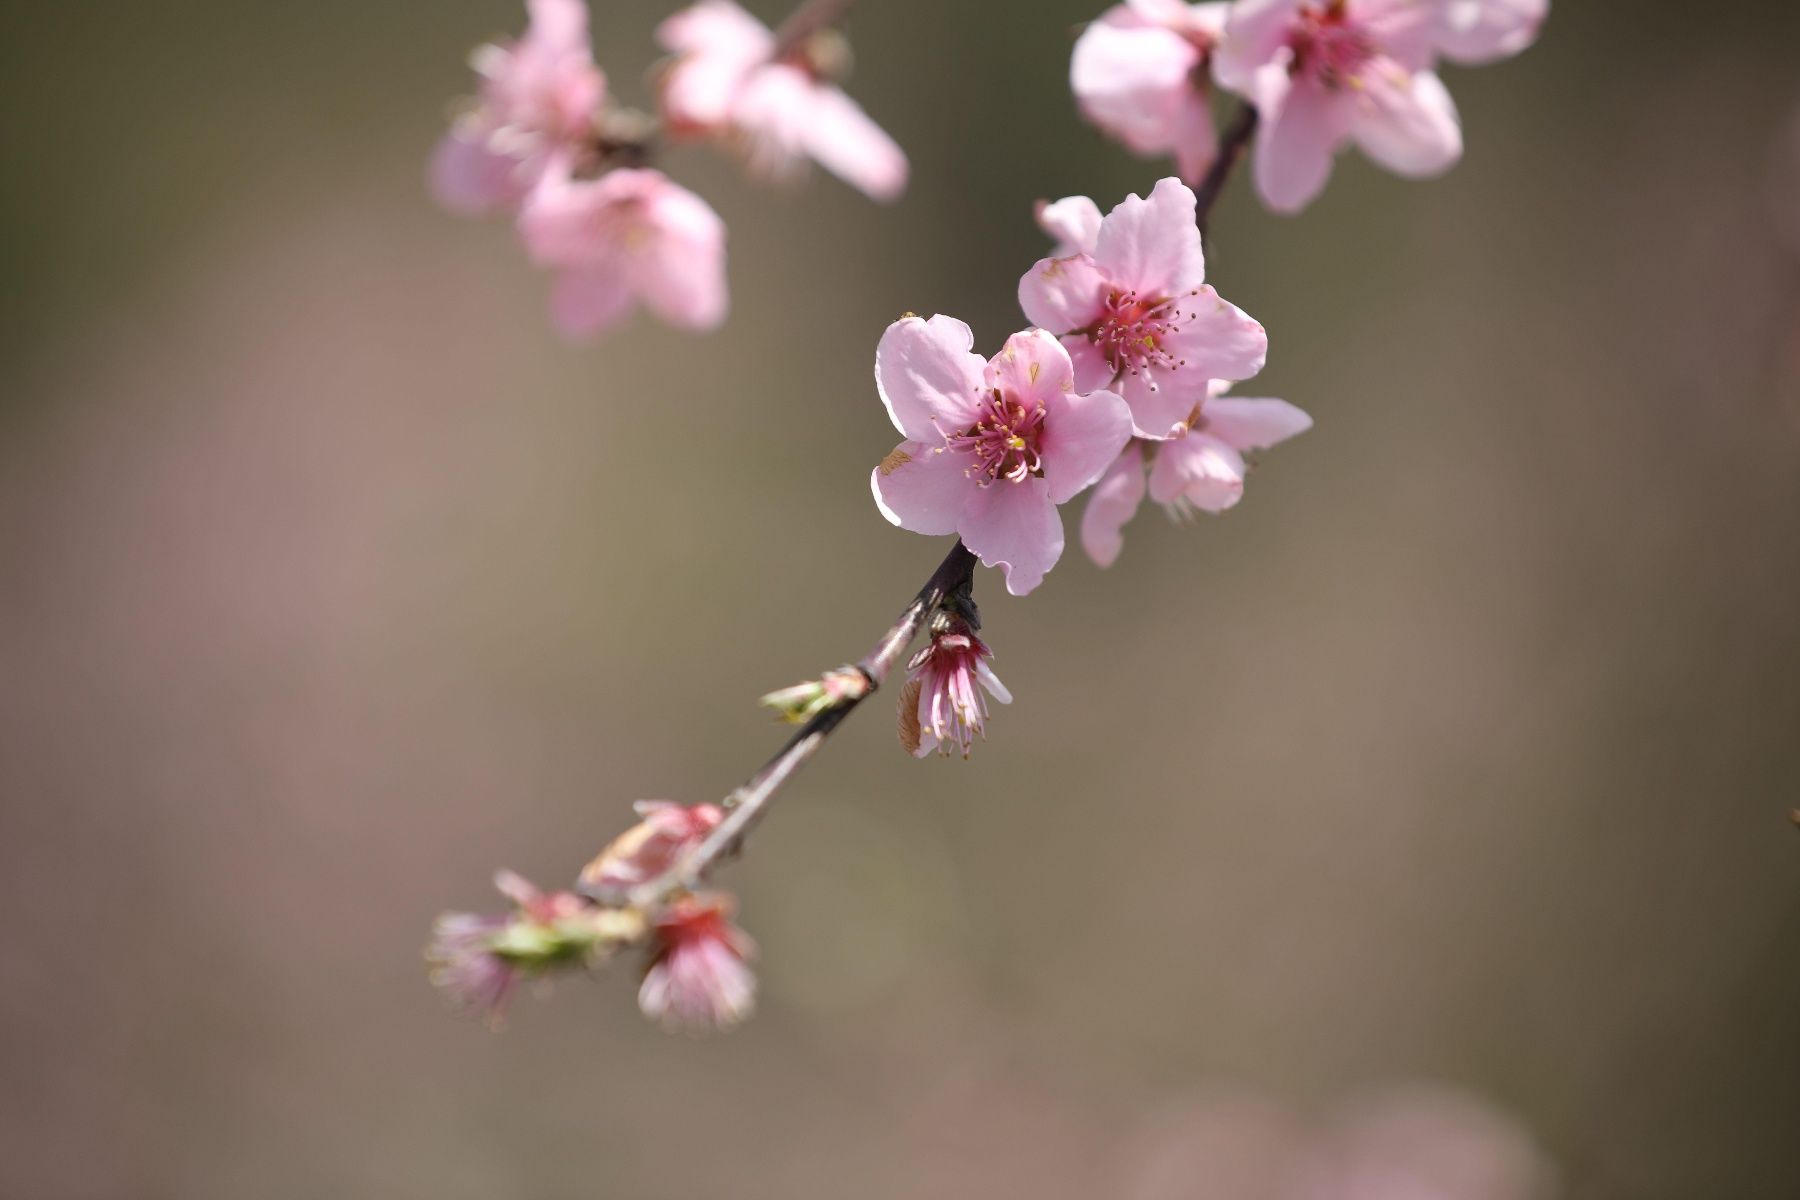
(1202,468)
(538,99)
(1133,309)
(726,81)
(649,848)
(699,977)
(991,448)
(477,961)
(1323,73)
(1142,73)
(630,235)
(942,706)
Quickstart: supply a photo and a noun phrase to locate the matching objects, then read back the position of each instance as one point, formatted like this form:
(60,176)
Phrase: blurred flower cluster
(543,140)
(1321,74)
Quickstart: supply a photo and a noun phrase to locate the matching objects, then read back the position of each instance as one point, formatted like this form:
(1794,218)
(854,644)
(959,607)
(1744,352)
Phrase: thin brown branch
(1232,145)
(950,583)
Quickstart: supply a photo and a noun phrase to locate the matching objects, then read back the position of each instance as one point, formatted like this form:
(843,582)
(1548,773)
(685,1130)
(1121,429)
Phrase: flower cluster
(544,141)
(1320,73)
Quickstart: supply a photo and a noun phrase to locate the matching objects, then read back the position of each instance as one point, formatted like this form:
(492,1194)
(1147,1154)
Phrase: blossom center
(1006,440)
(1133,335)
(1329,48)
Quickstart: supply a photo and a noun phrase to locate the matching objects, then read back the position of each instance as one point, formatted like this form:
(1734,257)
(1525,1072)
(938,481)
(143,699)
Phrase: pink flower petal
(929,377)
(680,272)
(1407,123)
(1251,424)
(1153,246)
(1092,371)
(1131,81)
(1195,137)
(846,142)
(1296,144)
(1032,367)
(586,303)
(468,178)
(1015,527)
(1481,31)
(1083,435)
(1255,36)
(1217,340)
(1074,221)
(715,26)
(1063,293)
(1200,469)
(1115,501)
(922,487)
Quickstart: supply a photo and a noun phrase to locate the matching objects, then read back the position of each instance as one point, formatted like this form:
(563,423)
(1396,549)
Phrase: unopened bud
(804,701)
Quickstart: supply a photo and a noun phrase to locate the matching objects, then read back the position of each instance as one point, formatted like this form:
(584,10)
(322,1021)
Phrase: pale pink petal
(846,142)
(991,682)
(1407,123)
(1196,138)
(1064,294)
(1032,367)
(697,93)
(928,377)
(1481,31)
(922,487)
(1083,435)
(1161,405)
(1115,501)
(1296,144)
(1092,370)
(466,177)
(1252,424)
(772,115)
(1074,221)
(1169,13)
(1131,81)
(1216,340)
(1200,469)
(1014,526)
(584,303)
(680,270)
(1405,30)
(1255,35)
(715,26)
(560,25)
(1152,246)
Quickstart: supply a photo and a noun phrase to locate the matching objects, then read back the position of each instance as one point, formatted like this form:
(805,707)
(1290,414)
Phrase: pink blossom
(477,961)
(992,447)
(1073,222)
(1133,310)
(538,99)
(942,705)
(1202,468)
(1324,73)
(649,848)
(630,235)
(1142,74)
(698,977)
(726,81)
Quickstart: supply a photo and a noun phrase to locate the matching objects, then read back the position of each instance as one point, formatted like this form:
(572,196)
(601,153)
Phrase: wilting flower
(991,448)
(941,705)
(727,81)
(630,235)
(1133,309)
(1142,73)
(699,977)
(1323,73)
(478,960)
(539,96)
(649,848)
(1203,469)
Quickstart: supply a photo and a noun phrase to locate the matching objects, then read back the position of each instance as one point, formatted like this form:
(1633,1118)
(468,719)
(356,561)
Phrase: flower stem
(1231,149)
(952,580)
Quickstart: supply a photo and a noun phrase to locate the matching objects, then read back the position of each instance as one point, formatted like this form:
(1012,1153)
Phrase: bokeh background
(330,579)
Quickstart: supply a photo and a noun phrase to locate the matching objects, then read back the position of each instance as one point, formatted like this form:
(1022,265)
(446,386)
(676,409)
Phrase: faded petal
(1115,501)
(1152,246)
(1296,144)
(1407,123)
(1063,294)
(1074,221)
(929,376)
(466,177)
(1253,424)
(1482,31)
(1083,435)
(846,142)
(922,487)
(680,272)
(1015,527)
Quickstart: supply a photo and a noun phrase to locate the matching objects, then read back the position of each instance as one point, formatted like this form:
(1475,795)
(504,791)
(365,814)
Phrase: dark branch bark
(1232,145)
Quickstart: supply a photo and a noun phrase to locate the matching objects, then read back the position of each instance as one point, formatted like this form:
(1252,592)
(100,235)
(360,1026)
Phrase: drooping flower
(630,235)
(992,447)
(1203,468)
(941,706)
(699,977)
(732,79)
(478,961)
(1134,311)
(1323,73)
(648,849)
(1143,73)
(538,99)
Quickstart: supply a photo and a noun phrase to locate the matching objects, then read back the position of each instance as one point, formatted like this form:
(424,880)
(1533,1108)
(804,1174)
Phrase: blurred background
(1459,757)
